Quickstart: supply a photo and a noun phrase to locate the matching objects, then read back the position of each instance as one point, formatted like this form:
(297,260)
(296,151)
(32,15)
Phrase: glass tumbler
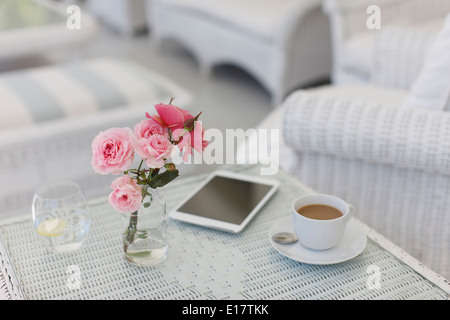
(61,216)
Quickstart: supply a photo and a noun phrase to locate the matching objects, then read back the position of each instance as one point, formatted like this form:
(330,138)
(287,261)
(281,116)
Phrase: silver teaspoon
(284,238)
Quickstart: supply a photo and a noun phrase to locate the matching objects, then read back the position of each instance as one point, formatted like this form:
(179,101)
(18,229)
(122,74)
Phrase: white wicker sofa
(49,116)
(384,149)
(284,44)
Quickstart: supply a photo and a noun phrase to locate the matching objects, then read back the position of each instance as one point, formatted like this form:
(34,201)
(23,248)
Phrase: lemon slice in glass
(52,227)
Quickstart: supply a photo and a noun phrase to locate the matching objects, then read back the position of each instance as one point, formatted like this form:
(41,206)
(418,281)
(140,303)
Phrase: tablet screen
(226,199)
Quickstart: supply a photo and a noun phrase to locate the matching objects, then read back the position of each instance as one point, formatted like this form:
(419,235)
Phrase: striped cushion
(76,89)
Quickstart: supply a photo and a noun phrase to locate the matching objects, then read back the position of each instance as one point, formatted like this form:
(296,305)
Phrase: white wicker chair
(391,162)
(402,23)
(284,44)
(367,144)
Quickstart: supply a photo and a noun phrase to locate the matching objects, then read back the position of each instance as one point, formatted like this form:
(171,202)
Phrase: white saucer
(353,242)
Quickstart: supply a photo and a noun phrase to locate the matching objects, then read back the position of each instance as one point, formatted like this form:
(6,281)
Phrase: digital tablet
(226,201)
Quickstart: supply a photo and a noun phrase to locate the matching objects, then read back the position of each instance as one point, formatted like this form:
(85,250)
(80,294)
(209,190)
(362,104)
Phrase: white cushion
(431,90)
(358,50)
(54,92)
(258,17)
(357,53)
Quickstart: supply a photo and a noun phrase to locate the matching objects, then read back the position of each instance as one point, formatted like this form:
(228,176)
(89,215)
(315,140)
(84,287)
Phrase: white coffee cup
(320,234)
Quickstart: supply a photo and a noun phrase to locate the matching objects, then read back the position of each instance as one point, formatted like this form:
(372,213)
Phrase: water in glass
(61,216)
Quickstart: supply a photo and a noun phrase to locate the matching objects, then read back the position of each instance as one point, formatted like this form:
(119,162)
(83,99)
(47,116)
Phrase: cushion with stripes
(80,88)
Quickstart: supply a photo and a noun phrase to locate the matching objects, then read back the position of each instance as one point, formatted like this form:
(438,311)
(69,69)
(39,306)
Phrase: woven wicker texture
(9,288)
(203,263)
(399,55)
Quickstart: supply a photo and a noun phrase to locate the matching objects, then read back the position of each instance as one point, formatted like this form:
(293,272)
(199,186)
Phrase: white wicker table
(205,263)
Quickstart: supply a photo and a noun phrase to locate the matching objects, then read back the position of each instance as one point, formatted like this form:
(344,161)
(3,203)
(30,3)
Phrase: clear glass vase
(145,231)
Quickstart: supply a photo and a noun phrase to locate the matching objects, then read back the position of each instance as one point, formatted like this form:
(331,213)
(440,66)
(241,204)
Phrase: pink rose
(188,140)
(155,150)
(113,151)
(126,196)
(123,180)
(149,127)
(170,116)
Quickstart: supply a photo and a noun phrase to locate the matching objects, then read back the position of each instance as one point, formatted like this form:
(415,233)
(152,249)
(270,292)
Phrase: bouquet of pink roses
(153,139)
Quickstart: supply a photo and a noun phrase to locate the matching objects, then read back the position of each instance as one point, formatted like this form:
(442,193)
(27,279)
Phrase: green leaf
(170,166)
(162,179)
(154,172)
(146,204)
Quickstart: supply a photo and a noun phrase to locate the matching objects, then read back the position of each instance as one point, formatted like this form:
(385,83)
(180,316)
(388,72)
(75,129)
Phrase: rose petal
(171,115)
